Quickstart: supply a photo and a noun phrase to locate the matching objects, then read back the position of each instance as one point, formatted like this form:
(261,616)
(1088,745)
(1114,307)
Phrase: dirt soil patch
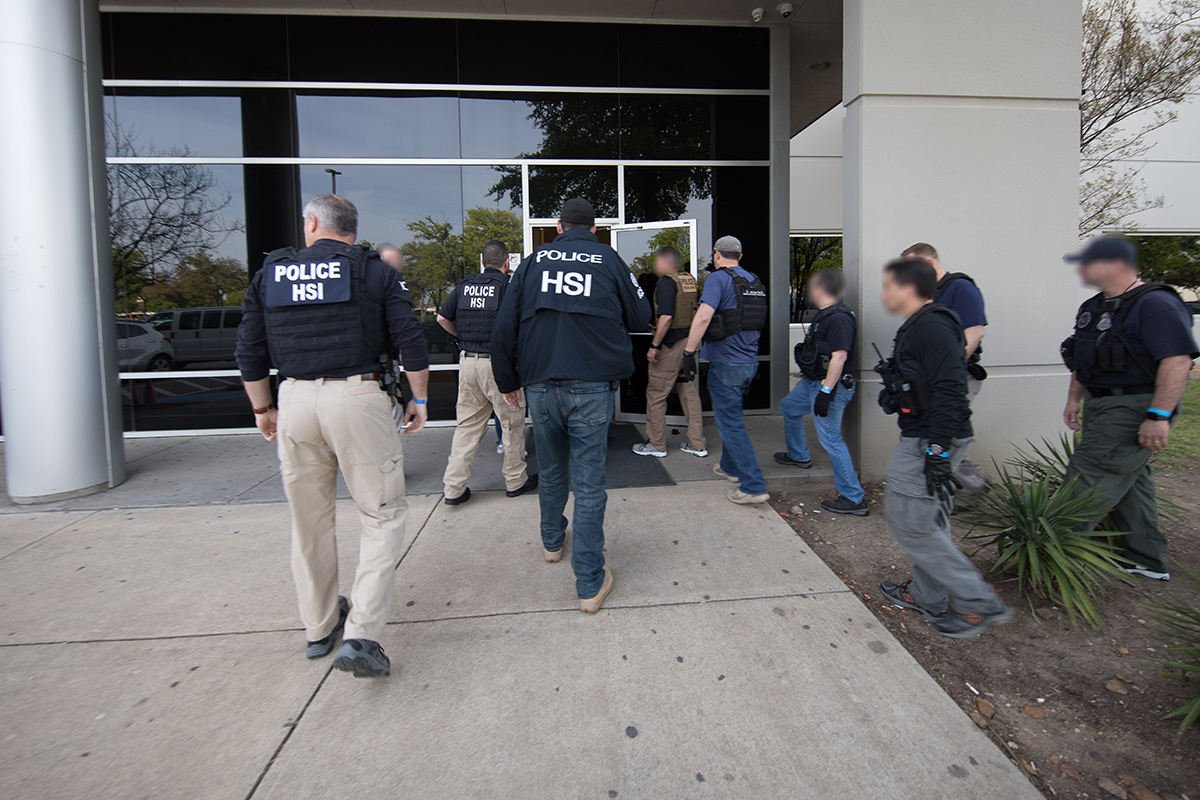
(1078,709)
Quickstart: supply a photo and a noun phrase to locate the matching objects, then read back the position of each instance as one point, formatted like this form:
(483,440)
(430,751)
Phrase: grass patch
(1185,434)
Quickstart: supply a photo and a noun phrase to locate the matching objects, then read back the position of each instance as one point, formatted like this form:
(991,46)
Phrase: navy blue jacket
(567,315)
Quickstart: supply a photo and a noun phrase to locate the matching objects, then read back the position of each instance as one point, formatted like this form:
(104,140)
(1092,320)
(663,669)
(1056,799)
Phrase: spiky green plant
(1042,535)
(1178,623)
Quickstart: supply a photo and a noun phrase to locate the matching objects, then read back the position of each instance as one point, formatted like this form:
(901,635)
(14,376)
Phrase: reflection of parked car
(200,334)
(140,348)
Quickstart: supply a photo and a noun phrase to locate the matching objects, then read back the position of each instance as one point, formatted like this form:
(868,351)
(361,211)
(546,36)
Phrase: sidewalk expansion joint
(162,638)
(291,729)
(51,533)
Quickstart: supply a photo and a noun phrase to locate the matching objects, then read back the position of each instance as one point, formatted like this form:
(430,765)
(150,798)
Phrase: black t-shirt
(838,330)
(665,293)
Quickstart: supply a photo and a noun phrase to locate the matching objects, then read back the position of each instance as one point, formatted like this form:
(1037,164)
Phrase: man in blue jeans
(825,388)
(563,335)
(730,319)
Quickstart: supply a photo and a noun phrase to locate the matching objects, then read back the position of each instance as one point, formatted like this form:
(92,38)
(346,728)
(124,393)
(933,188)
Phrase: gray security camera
(785,9)
(757,15)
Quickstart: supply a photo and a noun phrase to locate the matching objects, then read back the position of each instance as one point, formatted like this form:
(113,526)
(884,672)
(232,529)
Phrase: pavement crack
(420,530)
(51,533)
(291,729)
(162,638)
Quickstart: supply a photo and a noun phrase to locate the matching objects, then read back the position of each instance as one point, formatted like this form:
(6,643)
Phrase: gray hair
(333,213)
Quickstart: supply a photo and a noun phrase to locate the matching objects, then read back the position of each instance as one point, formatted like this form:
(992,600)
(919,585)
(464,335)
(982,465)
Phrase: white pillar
(780,212)
(962,130)
(58,375)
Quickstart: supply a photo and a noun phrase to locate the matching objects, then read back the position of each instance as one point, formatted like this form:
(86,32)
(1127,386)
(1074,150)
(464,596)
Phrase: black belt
(1121,391)
(476,355)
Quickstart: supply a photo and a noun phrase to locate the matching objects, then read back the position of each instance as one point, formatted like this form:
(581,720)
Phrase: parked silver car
(140,348)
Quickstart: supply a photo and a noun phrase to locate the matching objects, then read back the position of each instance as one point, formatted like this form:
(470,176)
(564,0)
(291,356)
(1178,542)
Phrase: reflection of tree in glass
(809,254)
(437,257)
(1174,260)
(596,127)
(159,214)
(199,280)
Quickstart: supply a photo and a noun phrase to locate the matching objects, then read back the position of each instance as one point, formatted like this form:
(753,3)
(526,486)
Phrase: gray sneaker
(323,647)
(364,658)
(968,626)
(698,452)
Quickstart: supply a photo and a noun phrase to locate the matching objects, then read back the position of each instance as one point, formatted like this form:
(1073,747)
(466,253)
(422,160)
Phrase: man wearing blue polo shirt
(730,319)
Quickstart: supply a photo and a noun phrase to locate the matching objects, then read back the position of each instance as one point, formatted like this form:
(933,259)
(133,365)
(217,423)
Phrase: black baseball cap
(1105,248)
(578,211)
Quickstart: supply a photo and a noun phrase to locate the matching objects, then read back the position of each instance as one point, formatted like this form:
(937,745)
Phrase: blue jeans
(829,431)
(727,385)
(570,426)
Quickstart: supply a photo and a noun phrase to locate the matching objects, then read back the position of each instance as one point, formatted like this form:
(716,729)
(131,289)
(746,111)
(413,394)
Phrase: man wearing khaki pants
(324,315)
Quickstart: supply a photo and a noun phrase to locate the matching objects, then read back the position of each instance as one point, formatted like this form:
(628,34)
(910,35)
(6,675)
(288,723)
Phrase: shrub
(1036,525)
(1178,622)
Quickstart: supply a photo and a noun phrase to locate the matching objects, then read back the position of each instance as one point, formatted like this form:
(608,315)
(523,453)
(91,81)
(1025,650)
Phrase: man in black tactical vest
(1129,358)
(563,335)
(469,313)
(958,291)
(730,320)
(825,388)
(925,382)
(324,316)
(675,297)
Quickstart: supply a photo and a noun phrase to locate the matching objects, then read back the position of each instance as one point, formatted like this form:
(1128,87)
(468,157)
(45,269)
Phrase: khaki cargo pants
(661,379)
(478,397)
(323,425)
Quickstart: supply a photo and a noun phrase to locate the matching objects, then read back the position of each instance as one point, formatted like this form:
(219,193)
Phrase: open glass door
(636,244)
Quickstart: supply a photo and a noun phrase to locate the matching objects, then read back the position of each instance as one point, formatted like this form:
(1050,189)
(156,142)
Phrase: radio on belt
(310,282)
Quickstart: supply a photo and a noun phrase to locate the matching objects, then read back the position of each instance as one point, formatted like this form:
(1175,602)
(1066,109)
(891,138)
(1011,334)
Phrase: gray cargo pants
(920,524)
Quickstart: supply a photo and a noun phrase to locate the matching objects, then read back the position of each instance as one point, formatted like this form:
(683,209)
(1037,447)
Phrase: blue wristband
(420,402)
(825,390)
(1160,412)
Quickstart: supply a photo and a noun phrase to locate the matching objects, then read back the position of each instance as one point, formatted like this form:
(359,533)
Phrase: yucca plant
(1178,622)
(1041,533)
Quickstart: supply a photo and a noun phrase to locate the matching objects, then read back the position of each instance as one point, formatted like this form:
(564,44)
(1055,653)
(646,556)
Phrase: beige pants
(478,397)
(662,378)
(324,424)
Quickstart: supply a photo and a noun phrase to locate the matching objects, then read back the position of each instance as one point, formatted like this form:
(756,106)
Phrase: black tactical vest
(813,354)
(750,314)
(903,363)
(1101,352)
(319,321)
(479,298)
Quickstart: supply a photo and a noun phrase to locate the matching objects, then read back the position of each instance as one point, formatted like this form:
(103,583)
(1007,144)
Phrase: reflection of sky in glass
(497,128)
(206,126)
(377,127)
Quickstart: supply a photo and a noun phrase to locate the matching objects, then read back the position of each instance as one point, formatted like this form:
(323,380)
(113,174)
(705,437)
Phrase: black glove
(939,477)
(687,370)
(824,398)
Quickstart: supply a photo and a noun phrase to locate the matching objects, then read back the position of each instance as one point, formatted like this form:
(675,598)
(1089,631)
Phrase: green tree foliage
(1174,260)
(202,279)
(482,224)
(810,254)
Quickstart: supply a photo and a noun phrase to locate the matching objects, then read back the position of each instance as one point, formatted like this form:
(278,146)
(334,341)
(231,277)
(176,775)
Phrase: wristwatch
(935,449)
(264,409)
(655,346)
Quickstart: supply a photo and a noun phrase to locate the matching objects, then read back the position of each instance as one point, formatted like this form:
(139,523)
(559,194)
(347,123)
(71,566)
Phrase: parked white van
(199,334)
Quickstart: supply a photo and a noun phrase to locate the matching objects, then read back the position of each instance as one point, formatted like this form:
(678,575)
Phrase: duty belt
(473,354)
(366,376)
(1121,391)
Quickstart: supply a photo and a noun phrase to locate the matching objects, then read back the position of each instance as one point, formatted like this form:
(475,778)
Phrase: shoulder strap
(928,308)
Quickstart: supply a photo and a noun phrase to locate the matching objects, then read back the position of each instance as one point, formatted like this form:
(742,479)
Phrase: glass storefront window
(541,126)
(156,125)
(550,187)
(377,127)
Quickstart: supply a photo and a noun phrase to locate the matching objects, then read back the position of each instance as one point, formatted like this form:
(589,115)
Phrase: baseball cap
(578,211)
(728,244)
(1105,248)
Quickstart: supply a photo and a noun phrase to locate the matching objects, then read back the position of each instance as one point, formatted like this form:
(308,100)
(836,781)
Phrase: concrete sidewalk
(153,650)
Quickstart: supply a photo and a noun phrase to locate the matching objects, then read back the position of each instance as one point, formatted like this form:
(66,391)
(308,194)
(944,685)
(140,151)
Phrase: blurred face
(896,297)
(1105,273)
(664,266)
(392,257)
(818,295)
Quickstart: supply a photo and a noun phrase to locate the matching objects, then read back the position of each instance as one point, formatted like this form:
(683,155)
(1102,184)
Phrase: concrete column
(58,376)
(779,254)
(962,130)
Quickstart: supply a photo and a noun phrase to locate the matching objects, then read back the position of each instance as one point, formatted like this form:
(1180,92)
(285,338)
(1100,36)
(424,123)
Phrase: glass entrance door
(636,243)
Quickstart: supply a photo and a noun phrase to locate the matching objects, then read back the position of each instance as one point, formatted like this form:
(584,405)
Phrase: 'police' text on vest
(308,282)
(478,296)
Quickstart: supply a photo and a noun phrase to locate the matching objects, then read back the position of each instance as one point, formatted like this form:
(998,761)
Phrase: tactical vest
(686,296)
(812,356)
(479,298)
(940,289)
(319,321)
(907,389)
(1101,353)
(750,314)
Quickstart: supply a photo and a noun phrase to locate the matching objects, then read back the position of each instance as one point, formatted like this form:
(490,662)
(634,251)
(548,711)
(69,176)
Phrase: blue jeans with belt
(797,405)
(727,386)
(570,427)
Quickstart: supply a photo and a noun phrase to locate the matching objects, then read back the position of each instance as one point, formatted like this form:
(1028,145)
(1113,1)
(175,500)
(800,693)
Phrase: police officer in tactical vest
(925,383)
(825,388)
(563,335)
(1129,359)
(675,297)
(469,313)
(730,319)
(324,316)
(958,291)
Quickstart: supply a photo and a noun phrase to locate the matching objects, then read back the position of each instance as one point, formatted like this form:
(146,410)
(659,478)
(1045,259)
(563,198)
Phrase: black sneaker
(528,486)
(788,461)
(968,626)
(843,506)
(462,498)
(364,658)
(898,593)
(324,647)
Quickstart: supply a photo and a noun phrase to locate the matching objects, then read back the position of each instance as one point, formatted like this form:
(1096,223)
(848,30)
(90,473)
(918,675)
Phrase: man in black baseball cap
(1130,354)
